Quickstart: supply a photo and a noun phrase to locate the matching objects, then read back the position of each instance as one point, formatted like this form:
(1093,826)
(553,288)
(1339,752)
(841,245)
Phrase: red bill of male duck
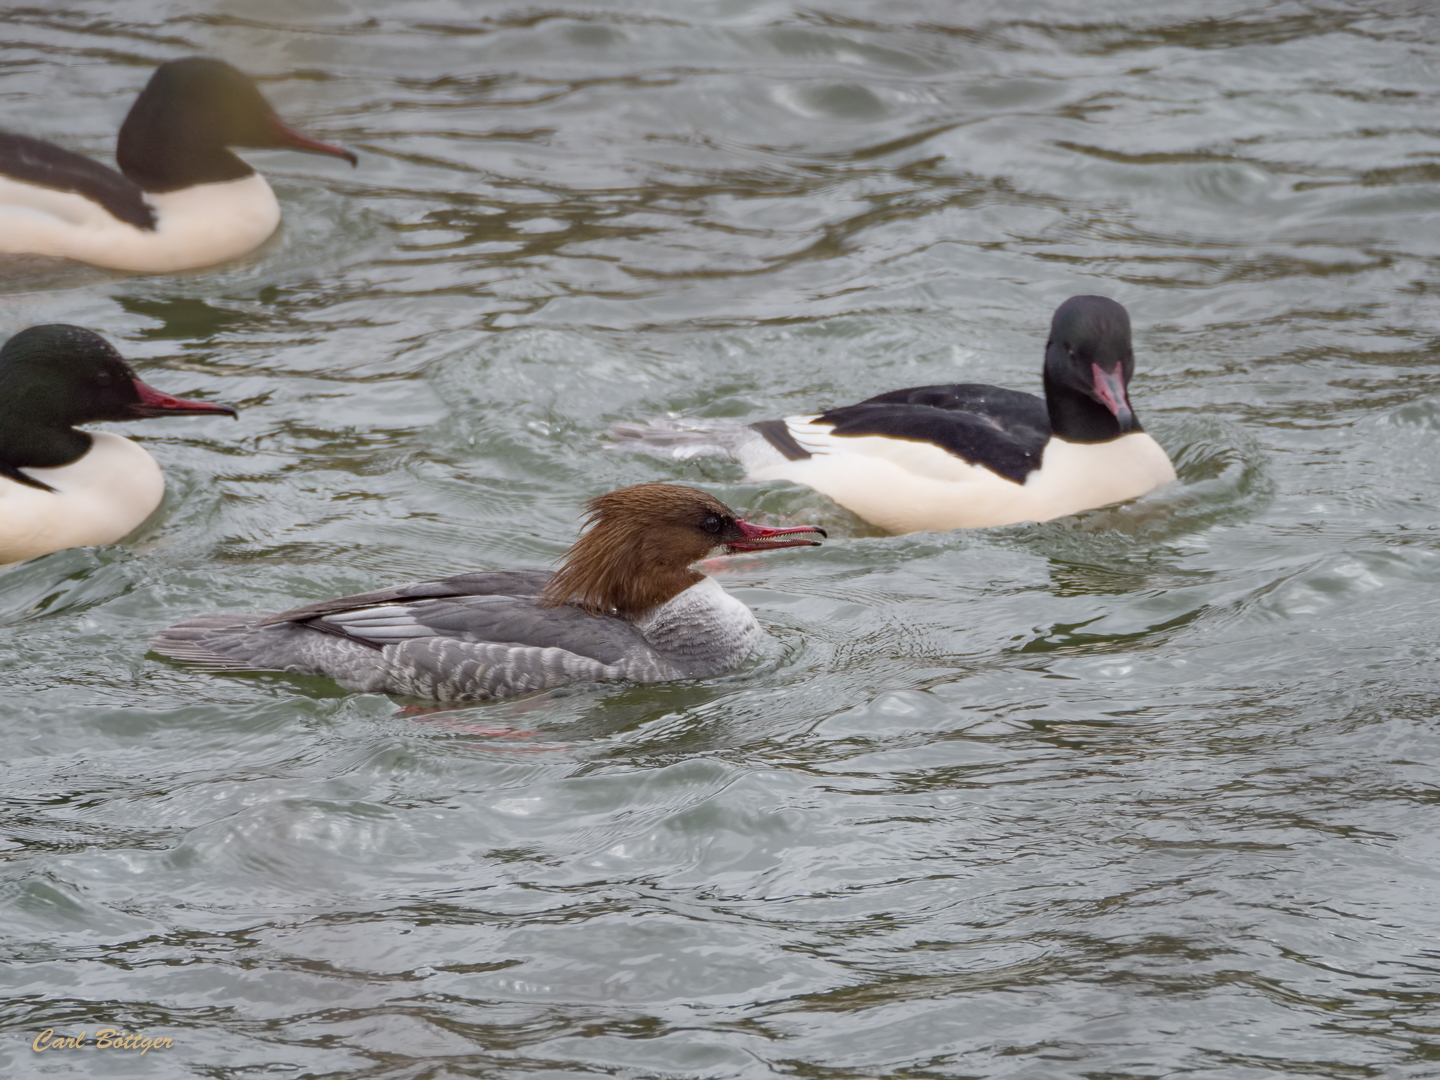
(963,455)
(624,606)
(61,487)
(180,200)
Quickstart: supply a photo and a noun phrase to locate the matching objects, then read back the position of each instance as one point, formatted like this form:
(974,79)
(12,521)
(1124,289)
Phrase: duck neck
(616,571)
(38,409)
(36,421)
(704,629)
(1078,418)
(159,161)
(161,173)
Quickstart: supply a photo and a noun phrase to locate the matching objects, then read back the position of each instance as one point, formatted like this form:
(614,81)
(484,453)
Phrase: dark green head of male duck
(55,376)
(178,132)
(1088,364)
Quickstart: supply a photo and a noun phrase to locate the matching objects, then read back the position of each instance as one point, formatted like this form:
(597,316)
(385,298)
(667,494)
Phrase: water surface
(1146,792)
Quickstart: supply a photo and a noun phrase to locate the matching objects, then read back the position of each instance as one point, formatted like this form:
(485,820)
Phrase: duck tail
(680,439)
(218,643)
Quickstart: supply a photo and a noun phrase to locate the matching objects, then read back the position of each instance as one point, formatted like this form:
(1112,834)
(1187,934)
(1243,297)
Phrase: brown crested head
(641,540)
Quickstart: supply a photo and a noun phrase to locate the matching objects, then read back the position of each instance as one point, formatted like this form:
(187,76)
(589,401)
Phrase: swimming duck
(963,455)
(61,487)
(625,605)
(180,200)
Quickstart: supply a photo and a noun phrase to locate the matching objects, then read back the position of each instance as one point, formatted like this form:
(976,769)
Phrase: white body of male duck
(180,200)
(61,487)
(963,455)
(625,605)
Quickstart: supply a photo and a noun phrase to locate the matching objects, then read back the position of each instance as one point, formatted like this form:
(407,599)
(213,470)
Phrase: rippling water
(1147,792)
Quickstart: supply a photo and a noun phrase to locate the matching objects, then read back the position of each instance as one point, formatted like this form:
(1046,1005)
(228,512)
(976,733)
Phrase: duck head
(55,376)
(178,132)
(636,553)
(1088,364)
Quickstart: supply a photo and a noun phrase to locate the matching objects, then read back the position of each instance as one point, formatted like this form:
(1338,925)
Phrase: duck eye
(710,523)
(102,379)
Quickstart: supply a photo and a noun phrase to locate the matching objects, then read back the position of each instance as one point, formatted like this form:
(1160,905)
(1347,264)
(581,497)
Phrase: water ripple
(1144,791)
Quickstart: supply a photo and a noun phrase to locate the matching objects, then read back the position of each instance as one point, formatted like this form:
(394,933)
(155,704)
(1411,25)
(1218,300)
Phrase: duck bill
(1110,390)
(760,538)
(153,403)
(288,138)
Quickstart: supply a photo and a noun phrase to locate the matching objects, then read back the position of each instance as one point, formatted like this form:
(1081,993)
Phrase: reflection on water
(1142,792)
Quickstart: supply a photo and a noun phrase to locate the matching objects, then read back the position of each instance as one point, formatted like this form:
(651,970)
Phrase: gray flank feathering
(472,646)
(443,669)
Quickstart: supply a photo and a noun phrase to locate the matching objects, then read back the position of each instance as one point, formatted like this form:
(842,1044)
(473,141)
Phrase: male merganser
(63,488)
(963,455)
(624,606)
(180,200)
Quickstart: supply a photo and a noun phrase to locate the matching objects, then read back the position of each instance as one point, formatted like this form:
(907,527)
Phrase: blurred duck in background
(180,200)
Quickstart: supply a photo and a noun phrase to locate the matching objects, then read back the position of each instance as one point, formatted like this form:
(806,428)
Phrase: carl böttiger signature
(105,1039)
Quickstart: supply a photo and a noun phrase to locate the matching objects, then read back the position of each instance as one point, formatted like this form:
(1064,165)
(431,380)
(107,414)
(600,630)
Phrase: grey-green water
(1145,793)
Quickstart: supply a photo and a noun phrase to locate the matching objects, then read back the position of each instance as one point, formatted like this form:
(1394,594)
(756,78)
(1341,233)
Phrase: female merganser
(63,488)
(180,200)
(624,606)
(964,455)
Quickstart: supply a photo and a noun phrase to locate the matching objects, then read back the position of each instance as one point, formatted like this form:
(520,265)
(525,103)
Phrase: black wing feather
(34,161)
(778,435)
(1004,407)
(1003,430)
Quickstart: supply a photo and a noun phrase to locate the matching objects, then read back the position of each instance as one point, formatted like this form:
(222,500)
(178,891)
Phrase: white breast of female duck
(904,485)
(703,630)
(97,500)
(195,226)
